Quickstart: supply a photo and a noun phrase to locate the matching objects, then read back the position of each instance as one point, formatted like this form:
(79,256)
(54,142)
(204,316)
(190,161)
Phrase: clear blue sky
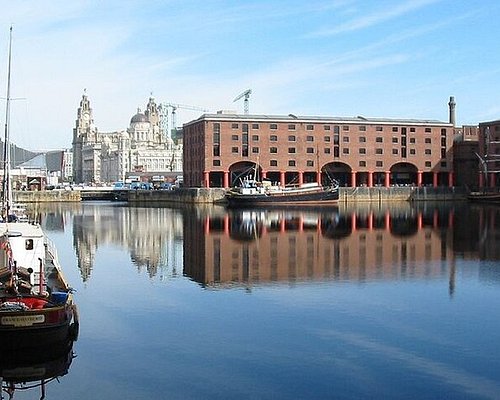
(377,58)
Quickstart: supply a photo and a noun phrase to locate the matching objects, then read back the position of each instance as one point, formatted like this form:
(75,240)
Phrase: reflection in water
(292,245)
(152,236)
(402,241)
(391,337)
(33,368)
(216,247)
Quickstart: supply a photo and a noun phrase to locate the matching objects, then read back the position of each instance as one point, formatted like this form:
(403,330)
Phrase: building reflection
(152,236)
(261,246)
(216,247)
(366,242)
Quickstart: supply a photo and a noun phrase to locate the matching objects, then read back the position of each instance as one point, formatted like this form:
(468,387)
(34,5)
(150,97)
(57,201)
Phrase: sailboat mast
(7,200)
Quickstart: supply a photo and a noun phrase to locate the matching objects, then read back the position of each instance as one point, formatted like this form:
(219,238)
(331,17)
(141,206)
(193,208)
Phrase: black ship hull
(488,197)
(320,197)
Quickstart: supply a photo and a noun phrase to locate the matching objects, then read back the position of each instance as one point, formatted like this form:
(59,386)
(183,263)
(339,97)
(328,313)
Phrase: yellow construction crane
(246,94)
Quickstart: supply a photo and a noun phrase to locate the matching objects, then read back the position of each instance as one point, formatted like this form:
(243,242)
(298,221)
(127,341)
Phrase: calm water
(379,303)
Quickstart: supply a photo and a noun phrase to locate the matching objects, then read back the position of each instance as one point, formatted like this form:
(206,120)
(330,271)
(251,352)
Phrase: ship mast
(7,192)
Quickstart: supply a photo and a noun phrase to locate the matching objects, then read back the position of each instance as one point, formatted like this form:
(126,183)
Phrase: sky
(343,58)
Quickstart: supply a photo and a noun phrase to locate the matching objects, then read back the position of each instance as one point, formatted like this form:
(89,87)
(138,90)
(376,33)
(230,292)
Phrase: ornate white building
(145,147)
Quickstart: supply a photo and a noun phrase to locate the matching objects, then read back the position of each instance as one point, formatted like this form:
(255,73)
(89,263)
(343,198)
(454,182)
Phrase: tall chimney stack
(452,106)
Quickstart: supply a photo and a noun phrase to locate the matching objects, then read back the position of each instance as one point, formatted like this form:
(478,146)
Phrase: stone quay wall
(46,196)
(383,194)
(178,196)
(346,195)
(217,195)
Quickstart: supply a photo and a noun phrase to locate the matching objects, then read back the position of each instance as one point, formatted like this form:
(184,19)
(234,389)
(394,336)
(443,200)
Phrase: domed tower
(140,128)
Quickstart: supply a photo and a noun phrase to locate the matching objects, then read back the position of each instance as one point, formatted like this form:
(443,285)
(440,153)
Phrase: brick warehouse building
(221,148)
(489,151)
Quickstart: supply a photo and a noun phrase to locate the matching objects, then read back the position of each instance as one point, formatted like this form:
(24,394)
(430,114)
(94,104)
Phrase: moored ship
(253,193)
(36,302)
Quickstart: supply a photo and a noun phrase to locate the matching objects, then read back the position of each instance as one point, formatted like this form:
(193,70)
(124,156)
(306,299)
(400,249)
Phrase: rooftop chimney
(452,106)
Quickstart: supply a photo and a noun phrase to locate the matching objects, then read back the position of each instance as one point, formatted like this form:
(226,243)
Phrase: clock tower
(84,117)
(84,133)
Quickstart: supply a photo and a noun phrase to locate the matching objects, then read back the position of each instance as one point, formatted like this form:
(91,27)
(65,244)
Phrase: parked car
(120,186)
(146,186)
(166,186)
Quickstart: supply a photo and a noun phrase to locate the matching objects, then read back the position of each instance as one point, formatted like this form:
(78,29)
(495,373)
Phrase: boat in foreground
(36,302)
(254,193)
